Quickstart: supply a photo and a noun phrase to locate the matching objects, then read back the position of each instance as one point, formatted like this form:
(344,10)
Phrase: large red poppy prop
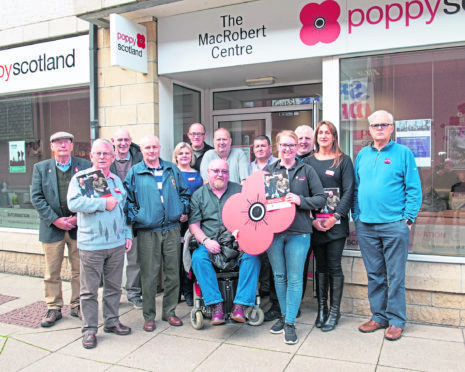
(247,213)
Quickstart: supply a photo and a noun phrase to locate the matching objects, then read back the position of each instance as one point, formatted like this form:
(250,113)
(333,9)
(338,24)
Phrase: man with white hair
(102,241)
(305,142)
(387,199)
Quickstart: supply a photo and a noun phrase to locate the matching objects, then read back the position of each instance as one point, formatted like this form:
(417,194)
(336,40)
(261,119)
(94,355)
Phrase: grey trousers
(133,285)
(108,262)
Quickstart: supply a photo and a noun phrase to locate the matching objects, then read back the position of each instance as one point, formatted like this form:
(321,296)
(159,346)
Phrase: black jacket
(198,160)
(304,182)
(136,157)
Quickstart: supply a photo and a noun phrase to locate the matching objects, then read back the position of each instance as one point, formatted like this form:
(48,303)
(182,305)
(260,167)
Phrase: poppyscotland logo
(141,41)
(320,22)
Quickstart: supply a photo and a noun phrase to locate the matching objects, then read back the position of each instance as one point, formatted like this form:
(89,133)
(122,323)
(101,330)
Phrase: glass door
(244,128)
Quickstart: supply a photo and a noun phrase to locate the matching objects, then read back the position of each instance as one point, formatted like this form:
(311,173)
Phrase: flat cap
(59,135)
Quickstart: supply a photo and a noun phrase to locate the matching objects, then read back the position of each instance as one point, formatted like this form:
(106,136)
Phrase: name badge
(329,173)
(191,179)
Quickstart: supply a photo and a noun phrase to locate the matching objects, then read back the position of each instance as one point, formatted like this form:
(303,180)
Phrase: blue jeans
(384,248)
(287,257)
(249,268)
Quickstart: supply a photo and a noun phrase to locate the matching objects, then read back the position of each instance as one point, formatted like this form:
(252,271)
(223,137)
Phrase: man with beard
(204,222)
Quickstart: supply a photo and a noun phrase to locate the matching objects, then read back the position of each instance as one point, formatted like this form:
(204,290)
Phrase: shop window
(292,95)
(26,123)
(425,91)
(186,103)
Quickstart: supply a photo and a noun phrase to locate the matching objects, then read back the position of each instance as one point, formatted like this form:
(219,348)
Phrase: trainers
(290,335)
(76,312)
(136,302)
(217,314)
(51,317)
(237,313)
(278,326)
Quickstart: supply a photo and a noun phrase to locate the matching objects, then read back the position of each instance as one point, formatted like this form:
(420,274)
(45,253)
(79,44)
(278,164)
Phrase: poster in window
(455,144)
(17,156)
(416,135)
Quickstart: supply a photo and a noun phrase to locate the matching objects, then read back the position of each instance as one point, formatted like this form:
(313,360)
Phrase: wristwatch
(337,216)
(408,222)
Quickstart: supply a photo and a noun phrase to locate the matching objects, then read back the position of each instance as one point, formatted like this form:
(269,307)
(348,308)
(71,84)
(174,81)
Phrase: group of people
(154,201)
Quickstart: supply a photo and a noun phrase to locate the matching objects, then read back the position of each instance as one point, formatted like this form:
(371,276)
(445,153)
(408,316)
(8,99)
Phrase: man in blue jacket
(386,201)
(158,200)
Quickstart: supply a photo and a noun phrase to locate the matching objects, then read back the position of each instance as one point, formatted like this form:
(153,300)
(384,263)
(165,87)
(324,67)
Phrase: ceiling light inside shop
(269,80)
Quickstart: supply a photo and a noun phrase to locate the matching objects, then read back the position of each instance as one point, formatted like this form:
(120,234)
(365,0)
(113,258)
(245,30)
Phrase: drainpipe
(93,69)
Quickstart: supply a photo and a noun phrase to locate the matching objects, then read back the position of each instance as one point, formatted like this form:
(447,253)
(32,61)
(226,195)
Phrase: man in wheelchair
(204,223)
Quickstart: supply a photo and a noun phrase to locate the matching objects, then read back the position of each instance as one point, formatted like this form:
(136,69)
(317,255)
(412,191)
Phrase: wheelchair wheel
(196,319)
(255,319)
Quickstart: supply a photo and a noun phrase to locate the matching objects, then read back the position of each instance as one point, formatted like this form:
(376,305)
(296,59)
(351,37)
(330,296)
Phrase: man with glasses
(204,222)
(127,155)
(236,159)
(196,136)
(102,240)
(387,199)
(158,201)
(58,225)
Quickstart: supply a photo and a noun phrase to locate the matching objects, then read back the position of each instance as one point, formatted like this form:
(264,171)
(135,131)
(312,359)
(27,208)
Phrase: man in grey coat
(58,226)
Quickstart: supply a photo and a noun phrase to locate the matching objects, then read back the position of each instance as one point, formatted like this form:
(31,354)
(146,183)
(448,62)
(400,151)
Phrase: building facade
(257,67)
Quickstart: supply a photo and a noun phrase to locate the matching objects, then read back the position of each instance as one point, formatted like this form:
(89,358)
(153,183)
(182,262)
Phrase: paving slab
(434,332)
(306,363)
(168,352)
(238,358)
(51,340)
(60,362)
(345,343)
(213,333)
(423,354)
(17,355)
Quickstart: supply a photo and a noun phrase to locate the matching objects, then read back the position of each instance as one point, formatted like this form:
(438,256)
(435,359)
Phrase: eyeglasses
(287,146)
(197,134)
(380,125)
(104,154)
(220,171)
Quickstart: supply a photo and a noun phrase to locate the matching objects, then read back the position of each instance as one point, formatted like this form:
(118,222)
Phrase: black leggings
(328,257)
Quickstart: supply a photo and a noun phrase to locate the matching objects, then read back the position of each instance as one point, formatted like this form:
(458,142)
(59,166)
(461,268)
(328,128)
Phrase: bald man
(127,155)
(158,201)
(236,159)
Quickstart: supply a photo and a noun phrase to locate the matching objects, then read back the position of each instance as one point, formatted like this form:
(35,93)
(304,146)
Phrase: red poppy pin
(387,161)
(247,213)
(76,169)
(118,191)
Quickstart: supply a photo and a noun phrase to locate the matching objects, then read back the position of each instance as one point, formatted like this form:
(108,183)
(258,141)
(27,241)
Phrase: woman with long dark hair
(331,223)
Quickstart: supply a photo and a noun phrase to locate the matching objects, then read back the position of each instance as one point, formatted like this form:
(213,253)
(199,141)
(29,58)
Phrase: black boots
(322,297)
(336,284)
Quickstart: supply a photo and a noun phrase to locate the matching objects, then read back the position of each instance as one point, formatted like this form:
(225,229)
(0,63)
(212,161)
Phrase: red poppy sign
(320,22)
(247,213)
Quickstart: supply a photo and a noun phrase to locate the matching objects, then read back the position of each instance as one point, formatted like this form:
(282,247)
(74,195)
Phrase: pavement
(25,346)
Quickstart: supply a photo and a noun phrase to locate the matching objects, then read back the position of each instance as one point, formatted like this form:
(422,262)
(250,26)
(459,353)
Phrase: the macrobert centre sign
(51,64)
(128,44)
(274,30)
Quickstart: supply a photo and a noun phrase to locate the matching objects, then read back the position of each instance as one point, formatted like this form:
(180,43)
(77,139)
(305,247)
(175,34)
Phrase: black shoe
(136,302)
(189,300)
(89,340)
(51,317)
(118,329)
(76,312)
(290,335)
(272,314)
(278,326)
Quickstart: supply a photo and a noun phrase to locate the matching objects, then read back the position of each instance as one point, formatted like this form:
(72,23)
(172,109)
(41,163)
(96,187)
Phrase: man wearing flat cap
(50,180)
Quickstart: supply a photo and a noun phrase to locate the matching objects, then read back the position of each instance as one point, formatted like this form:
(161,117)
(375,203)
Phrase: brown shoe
(149,326)
(51,317)
(371,326)
(76,312)
(393,333)
(172,320)
(118,329)
(89,340)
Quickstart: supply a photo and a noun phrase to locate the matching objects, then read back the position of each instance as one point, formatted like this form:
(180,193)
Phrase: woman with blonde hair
(183,157)
(289,248)
(336,172)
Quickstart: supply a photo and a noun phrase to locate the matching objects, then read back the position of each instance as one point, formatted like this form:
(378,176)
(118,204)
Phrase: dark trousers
(133,285)
(153,247)
(328,257)
(94,264)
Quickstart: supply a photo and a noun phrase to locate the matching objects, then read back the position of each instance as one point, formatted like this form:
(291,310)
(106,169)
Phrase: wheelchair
(227,283)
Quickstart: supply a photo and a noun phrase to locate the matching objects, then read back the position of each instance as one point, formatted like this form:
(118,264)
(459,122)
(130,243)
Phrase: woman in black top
(331,224)
(289,248)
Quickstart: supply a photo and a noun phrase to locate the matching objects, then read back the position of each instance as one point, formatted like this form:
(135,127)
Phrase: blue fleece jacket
(387,185)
